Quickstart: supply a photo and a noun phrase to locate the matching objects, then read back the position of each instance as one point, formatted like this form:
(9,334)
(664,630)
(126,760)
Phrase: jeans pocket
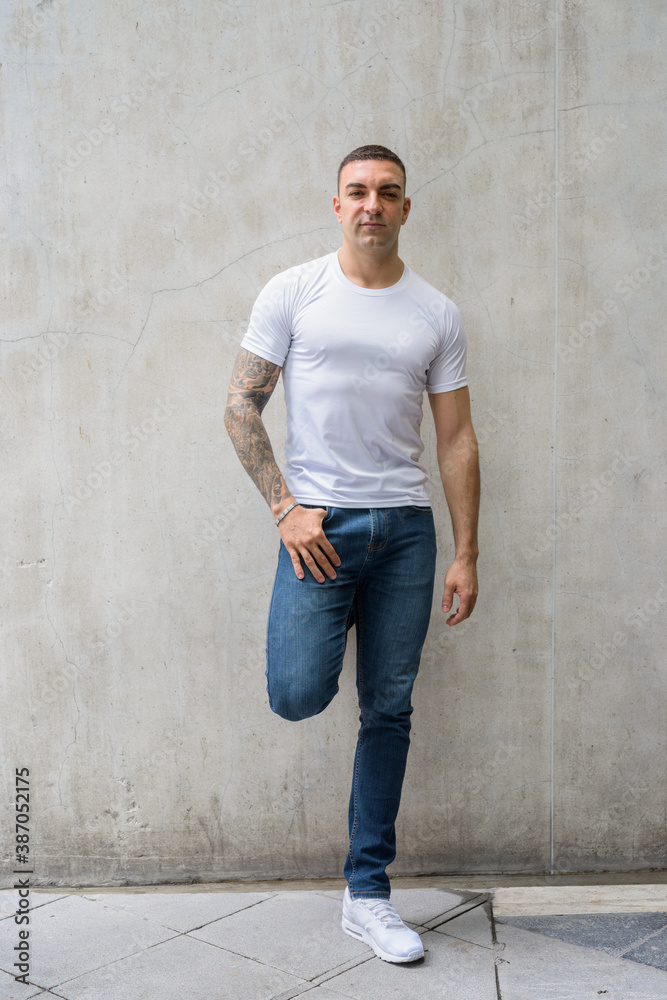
(420,510)
(318,506)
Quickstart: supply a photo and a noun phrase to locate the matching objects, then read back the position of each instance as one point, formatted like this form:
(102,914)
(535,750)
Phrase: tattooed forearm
(252,383)
(249,437)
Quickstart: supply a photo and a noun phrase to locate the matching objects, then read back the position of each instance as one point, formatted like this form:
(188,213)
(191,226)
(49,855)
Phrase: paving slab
(613,933)
(473,926)
(552,899)
(74,935)
(182,968)
(533,967)
(181,911)
(450,970)
(297,932)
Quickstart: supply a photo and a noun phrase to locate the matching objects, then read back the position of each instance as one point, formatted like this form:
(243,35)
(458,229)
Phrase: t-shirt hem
(262,352)
(447,387)
(360,504)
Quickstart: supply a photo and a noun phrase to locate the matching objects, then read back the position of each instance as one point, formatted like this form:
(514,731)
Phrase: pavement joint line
(492,918)
(456,911)
(44,990)
(325,977)
(474,944)
(238,954)
(455,937)
(499,995)
(498,948)
(10,916)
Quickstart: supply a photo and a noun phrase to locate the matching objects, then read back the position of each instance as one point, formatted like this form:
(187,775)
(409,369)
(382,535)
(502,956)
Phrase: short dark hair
(372,153)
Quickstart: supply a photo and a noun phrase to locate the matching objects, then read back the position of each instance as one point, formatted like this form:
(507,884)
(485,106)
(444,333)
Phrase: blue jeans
(384,586)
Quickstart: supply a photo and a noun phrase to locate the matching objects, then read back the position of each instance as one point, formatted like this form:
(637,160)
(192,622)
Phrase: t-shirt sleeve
(269,332)
(447,371)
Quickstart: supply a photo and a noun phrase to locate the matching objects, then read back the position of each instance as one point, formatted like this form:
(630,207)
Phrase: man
(358,337)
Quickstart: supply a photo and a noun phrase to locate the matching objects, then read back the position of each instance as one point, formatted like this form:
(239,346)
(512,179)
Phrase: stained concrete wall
(160,164)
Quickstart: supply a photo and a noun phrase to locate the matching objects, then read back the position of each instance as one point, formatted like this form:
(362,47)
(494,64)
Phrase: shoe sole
(360,934)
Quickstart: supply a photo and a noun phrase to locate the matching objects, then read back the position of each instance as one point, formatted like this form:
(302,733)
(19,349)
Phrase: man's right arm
(251,386)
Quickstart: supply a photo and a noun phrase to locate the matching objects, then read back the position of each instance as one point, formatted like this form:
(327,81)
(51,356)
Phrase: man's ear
(407,204)
(336,207)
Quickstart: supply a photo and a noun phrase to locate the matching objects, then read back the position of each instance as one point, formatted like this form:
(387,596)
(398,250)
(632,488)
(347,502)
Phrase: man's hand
(461,579)
(251,385)
(303,536)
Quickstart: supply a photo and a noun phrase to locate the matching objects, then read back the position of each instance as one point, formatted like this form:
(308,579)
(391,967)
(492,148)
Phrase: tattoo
(252,383)
(253,378)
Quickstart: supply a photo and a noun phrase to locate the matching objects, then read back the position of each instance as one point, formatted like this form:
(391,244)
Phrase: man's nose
(373,206)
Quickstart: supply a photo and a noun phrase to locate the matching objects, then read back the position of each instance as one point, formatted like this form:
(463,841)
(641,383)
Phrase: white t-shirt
(355,365)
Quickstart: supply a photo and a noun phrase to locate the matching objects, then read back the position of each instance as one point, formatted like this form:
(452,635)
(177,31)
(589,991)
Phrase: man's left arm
(459,471)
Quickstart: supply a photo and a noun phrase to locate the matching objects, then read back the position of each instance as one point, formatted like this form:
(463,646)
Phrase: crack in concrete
(203,281)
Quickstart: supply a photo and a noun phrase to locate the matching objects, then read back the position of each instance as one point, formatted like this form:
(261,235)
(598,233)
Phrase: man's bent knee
(294,708)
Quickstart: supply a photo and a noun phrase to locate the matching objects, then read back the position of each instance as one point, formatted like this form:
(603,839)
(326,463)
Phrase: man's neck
(369,271)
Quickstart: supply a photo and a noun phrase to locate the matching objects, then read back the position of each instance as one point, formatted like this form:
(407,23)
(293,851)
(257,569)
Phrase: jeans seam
(379,512)
(360,739)
(268,637)
(359,623)
(369,548)
(356,811)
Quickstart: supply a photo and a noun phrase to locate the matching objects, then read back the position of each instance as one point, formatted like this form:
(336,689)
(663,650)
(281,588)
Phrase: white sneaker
(376,923)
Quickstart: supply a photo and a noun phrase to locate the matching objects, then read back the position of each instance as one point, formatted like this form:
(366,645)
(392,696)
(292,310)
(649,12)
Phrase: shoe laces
(383,911)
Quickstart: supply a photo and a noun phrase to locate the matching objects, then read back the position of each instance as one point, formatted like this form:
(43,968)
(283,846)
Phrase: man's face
(371,205)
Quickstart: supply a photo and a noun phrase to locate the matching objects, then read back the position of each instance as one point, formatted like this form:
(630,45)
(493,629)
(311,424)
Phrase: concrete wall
(160,164)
